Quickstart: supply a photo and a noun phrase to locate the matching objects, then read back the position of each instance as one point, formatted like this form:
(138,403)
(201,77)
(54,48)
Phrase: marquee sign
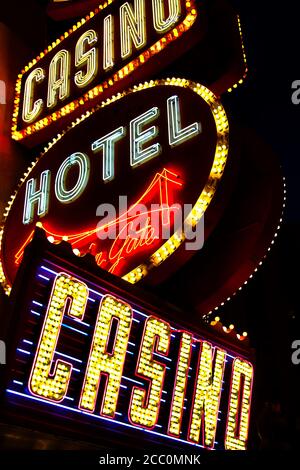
(166,153)
(98,54)
(87,350)
(114,47)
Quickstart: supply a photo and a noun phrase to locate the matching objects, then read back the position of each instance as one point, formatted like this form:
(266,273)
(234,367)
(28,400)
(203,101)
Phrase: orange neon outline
(148,379)
(238,358)
(170,36)
(186,381)
(162,179)
(202,434)
(58,361)
(106,374)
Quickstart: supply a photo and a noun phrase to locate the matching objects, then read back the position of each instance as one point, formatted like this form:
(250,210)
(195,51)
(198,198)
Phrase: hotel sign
(166,154)
(114,141)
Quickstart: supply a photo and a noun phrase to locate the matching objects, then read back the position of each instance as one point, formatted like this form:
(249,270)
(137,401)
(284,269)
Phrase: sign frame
(112,84)
(206,194)
(42,251)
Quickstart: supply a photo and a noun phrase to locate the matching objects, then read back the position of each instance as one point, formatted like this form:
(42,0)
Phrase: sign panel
(96,55)
(128,183)
(116,46)
(89,352)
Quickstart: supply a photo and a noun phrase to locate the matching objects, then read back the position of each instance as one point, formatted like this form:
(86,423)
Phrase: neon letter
(108,42)
(239,405)
(207,395)
(32,109)
(181,379)
(162,24)
(69,297)
(177,135)
(103,362)
(144,405)
(39,197)
(59,71)
(132,27)
(138,138)
(89,58)
(66,196)
(107,144)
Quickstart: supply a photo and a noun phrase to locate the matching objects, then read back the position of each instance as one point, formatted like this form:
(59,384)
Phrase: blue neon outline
(102,418)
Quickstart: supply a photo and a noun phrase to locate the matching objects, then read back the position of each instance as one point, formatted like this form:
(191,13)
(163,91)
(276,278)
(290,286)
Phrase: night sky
(271,35)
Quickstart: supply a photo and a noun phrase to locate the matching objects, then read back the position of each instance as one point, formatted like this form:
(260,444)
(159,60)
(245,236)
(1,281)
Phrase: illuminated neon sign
(107,358)
(169,149)
(101,50)
(112,48)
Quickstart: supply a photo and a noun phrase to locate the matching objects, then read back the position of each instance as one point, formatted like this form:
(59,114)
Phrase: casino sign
(89,351)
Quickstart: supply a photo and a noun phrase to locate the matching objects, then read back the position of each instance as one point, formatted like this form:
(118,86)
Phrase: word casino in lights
(98,355)
(100,53)
(92,355)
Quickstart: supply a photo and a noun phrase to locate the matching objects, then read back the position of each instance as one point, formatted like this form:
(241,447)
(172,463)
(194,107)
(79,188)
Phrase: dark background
(269,306)
(271,33)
